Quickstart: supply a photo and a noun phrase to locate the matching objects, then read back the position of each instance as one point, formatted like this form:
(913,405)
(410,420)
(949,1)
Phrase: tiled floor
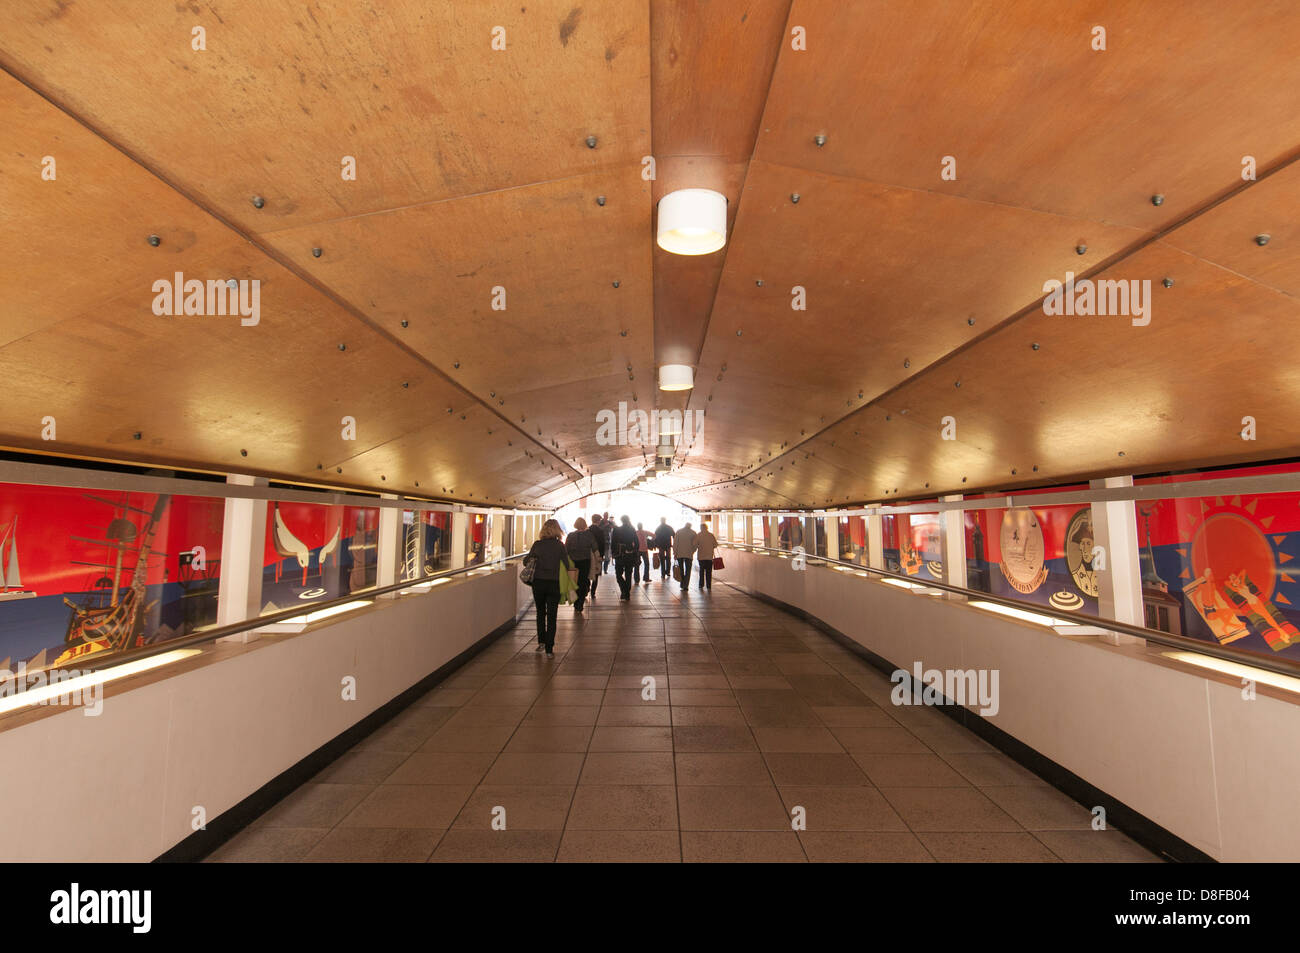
(755,714)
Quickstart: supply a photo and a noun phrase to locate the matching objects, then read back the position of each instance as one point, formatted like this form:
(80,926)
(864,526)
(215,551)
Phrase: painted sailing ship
(112,618)
(11,582)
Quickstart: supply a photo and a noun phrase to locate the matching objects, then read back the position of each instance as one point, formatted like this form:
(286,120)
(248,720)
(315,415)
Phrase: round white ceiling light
(692,221)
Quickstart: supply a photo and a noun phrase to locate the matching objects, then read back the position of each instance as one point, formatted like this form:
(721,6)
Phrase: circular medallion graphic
(1079,554)
(311,593)
(1023,550)
(936,569)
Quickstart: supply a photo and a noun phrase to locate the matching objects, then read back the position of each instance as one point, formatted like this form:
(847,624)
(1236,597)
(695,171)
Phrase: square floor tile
(987,847)
(469,738)
(607,847)
(783,738)
(611,738)
(725,717)
(963,810)
(632,716)
(990,769)
(443,767)
(1096,847)
(513,847)
(713,738)
(854,716)
(858,808)
(727,768)
(374,845)
(527,768)
(1040,807)
(864,847)
(487,716)
(527,807)
(909,771)
(628,767)
(268,845)
(879,741)
(751,807)
(550,738)
(816,770)
(361,766)
(426,806)
(623,807)
(744,847)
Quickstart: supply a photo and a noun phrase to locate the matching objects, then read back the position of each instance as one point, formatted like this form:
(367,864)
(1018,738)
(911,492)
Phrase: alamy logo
(961,686)
(1087,297)
(54,687)
(209,298)
(103,906)
(638,428)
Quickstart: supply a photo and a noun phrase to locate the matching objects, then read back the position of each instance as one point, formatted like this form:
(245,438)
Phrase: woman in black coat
(551,561)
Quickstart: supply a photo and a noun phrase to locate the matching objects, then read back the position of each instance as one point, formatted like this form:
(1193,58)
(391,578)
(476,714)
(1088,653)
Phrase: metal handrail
(1278,666)
(206,635)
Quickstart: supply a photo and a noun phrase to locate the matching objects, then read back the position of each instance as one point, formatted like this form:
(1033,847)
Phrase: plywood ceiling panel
(413,91)
(1226,234)
(515,287)
(711,64)
(892,280)
(1035,117)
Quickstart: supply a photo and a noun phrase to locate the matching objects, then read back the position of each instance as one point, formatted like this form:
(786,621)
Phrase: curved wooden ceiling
(474,173)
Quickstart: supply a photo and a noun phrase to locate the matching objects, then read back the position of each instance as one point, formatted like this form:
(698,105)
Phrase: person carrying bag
(551,580)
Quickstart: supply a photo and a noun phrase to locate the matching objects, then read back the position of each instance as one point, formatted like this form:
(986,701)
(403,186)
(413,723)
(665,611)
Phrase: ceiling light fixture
(692,221)
(676,377)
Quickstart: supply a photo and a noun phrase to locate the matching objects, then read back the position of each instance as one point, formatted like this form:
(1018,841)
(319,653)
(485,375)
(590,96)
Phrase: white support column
(243,543)
(952,543)
(832,537)
(876,542)
(459,534)
(390,546)
(749,529)
(1114,526)
(773,532)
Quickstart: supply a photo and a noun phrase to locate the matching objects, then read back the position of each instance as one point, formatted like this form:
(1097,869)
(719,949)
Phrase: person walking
(599,546)
(664,543)
(643,555)
(705,544)
(623,547)
(579,546)
(551,561)
(684,547)
(607,526)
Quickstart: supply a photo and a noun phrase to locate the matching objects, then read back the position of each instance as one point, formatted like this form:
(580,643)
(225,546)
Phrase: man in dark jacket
(624,548)
(664,543)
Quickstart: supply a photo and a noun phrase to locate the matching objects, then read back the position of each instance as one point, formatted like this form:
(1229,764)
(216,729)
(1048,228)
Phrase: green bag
(568,585)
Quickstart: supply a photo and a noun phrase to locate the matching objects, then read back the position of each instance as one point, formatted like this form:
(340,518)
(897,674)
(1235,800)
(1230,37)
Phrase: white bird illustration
(287,544)
(330,549)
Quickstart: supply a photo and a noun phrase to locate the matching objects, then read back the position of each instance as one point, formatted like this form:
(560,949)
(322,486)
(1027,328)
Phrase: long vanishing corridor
(755,713)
